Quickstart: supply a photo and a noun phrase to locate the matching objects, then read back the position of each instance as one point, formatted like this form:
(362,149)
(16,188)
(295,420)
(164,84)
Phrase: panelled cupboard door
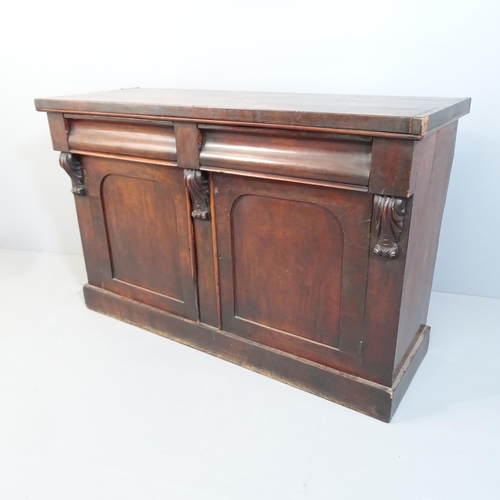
(293,263)
(143,232)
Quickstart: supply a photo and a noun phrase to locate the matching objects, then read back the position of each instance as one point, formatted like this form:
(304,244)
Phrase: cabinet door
(293,263)
(143,232)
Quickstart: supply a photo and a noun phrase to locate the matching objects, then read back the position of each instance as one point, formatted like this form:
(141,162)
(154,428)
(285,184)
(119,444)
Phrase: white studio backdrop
(444,48)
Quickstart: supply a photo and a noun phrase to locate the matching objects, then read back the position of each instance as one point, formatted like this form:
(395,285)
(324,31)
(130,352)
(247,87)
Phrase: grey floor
(92,408)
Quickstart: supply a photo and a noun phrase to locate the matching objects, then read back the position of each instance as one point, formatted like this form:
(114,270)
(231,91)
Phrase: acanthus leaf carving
(389,213)
(197,184)
(72,164)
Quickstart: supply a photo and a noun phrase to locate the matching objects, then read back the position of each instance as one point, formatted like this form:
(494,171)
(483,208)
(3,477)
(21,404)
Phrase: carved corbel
(389,213)
(72,164)
(197,184)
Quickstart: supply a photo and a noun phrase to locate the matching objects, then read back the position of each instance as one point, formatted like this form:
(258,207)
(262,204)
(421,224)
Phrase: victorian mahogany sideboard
(295,235)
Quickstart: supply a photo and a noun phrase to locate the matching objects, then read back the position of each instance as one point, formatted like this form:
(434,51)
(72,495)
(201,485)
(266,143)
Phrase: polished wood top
(392,115)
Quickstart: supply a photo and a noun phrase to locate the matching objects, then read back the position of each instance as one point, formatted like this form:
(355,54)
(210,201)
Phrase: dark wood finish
(143,233)
(434,166)
(197,185)
(59,131)
(206,275)
(292,235)
(357,393)
(285,178)
(403,115)
(293,262)
(391,173)
(199,205)
(87,233)
(383,302)
(72,164)
(341,161)
(188,144)
(123,138)
(389,216)
(405,282)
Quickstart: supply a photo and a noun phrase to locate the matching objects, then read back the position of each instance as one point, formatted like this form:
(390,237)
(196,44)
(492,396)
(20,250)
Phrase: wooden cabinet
(293,235)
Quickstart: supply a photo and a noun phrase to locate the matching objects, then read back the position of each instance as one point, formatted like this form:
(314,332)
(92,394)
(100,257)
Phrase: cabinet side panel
(142,234)
(433,159)
(288,266)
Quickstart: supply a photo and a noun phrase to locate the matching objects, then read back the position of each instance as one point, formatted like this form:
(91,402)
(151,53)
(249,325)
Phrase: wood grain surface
(295,235)
(404,115)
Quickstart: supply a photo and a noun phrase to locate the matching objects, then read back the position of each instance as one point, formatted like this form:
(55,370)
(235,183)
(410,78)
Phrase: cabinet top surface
(392,115)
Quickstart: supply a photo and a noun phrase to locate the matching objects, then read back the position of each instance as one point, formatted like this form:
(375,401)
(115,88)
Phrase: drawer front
(123,137)
(143,233)
(293,263)
(316,156)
